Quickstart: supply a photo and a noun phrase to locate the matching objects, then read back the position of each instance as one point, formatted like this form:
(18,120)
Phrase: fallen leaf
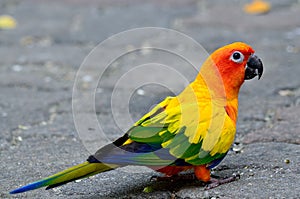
(257,7)
(7,22)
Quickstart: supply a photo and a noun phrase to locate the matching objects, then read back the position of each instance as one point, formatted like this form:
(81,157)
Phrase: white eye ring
(237,57)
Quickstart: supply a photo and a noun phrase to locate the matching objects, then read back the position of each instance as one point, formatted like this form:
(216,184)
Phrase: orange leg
(202,173)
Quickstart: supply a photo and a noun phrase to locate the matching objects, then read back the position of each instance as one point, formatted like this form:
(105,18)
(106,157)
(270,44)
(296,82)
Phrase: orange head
(230,66)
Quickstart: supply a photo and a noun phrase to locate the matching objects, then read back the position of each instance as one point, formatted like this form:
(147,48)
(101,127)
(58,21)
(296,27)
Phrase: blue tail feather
(29,187)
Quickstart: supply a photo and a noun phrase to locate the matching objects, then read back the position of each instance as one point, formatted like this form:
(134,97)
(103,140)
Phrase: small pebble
(19,138)
(286,92)
(43,123)
(17,68)
(87,78)
(23,127)
(140,92)
(145,49)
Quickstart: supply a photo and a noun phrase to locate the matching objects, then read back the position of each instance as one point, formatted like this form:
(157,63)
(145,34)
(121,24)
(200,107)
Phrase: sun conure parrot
(192,131)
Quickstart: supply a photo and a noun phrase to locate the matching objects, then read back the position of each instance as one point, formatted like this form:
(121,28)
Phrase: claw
(213,183)
(154,178)
(161,178)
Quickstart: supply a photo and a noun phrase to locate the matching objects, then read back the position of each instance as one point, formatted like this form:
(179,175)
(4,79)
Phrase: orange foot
(203,173)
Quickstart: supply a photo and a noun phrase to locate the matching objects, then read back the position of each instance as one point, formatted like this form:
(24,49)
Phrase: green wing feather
(193,131)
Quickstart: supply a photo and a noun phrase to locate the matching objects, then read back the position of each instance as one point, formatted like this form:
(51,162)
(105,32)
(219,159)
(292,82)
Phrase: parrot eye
(237,57)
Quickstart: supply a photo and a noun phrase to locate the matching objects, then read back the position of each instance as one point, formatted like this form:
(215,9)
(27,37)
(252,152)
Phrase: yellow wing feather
(203,118)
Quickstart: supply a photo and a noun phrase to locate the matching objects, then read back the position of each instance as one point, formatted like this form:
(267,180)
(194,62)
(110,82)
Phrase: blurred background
(43,43)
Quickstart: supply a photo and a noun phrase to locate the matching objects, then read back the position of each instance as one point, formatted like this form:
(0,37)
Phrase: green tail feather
(79,171)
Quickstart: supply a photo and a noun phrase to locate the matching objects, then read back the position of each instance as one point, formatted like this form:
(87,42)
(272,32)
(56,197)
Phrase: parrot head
(239,60)
(233,63)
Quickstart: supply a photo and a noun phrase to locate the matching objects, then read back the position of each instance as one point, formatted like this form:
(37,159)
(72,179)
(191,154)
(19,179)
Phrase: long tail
(79,171)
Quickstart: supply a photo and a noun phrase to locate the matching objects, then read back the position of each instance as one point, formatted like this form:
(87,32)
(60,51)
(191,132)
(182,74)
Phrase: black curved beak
(254,68)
